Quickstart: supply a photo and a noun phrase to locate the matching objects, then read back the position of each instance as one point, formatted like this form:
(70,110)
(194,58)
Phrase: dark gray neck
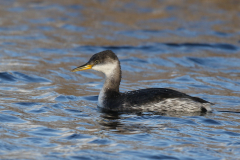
(113,79)
(112,83)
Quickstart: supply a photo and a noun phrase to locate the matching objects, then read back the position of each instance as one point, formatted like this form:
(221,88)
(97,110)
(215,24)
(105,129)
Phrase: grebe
(150,99)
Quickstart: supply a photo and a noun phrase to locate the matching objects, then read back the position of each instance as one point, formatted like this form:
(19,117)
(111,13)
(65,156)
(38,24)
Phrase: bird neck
(113,79)
(111,84)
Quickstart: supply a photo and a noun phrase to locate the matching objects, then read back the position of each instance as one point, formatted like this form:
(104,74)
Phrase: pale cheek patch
(107,69)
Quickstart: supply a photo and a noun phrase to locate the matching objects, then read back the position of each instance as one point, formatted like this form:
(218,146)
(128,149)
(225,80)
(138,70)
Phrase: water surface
(48,112)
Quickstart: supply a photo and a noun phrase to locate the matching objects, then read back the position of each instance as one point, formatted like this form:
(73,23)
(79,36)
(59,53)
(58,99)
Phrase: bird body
(150,99)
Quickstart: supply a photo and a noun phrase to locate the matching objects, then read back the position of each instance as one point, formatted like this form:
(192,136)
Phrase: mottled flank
(175,105)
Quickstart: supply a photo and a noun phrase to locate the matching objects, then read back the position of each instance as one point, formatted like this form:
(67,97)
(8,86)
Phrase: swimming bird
(150,99)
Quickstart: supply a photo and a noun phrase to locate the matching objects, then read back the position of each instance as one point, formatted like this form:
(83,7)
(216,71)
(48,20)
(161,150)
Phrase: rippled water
(48,112)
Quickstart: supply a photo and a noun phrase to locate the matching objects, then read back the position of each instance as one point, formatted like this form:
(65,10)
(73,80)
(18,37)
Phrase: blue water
(48,112)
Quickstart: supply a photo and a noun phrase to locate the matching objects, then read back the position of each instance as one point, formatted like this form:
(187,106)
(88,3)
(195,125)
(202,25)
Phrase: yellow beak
(83,67)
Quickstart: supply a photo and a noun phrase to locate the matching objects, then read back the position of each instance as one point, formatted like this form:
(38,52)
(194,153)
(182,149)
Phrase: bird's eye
(96,62)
